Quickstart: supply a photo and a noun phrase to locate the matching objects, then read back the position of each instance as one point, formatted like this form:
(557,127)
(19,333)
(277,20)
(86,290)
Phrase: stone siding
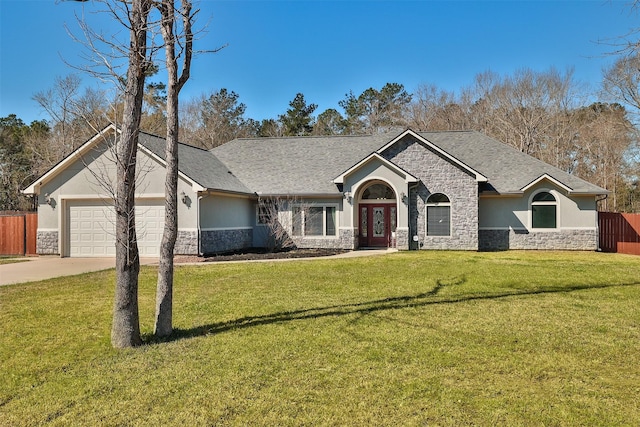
(437,175)
(502,240)
(186,243)
(346,239)
(402,239)
(218,241)
(47,243)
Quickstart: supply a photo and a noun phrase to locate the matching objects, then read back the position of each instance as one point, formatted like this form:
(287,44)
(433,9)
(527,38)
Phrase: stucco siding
(222,212)
(357,181)
(91,179)
(226,223)
(515,212)
(506,222)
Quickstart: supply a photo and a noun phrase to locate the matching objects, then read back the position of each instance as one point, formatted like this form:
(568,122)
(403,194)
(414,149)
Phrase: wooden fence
(619,232)
(18,233)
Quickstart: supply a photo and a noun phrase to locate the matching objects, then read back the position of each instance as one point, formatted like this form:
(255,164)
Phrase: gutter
(300,195)
(520,193)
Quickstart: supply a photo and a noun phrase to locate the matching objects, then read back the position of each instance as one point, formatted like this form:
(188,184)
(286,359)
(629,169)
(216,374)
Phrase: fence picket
(619,232)
(18,233)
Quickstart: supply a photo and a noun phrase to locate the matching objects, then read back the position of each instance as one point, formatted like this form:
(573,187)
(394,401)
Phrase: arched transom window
(544,210)
(378,192)
(438,215)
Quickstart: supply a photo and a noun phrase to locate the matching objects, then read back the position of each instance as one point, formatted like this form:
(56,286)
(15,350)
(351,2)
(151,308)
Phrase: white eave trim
(375,156)
(478,176)
(549,178)
(34,188)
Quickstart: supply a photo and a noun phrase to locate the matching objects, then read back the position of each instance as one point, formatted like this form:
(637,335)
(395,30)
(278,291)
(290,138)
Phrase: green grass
(429,338)
(11,259)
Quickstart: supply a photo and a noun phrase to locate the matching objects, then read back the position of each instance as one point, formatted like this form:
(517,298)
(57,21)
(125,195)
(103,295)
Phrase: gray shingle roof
(199,165)
(308,165)
(508,169)
(296,165)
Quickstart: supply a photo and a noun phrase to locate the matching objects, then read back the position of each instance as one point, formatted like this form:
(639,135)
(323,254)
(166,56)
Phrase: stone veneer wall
(47,243)
(217,241)
(186,243)
(438,175)
(402,239)
(502,240)
(346,239)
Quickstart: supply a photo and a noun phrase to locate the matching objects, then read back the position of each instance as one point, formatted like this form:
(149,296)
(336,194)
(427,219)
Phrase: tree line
(541,113)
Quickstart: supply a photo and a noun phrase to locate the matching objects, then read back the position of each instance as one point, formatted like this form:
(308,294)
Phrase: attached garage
(90,226)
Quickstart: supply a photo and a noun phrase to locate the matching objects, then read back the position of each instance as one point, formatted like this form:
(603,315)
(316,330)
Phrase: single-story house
(408,190)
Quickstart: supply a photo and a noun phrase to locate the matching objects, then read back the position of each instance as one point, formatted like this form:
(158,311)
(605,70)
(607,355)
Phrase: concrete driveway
(47,267)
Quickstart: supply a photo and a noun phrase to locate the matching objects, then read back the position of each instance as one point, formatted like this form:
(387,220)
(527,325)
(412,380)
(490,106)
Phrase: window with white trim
(314,220)
(438,215)
(544,208)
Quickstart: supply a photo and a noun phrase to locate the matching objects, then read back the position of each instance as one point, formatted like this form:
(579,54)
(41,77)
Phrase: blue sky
(324,49)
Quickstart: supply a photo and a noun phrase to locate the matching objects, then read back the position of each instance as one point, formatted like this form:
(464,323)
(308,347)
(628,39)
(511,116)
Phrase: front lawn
(429,338)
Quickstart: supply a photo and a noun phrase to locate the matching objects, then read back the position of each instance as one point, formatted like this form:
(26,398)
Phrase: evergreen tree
(330,122)
(16,168)
(375,110)
(298,119)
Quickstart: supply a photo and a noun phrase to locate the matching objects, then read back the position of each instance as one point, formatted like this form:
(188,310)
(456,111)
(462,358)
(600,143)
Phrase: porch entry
(377,217)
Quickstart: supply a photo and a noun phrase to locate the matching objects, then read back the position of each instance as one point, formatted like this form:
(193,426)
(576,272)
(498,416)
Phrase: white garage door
(91,228)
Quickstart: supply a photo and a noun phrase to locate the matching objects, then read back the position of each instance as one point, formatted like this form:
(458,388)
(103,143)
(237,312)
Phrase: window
(266,212)
(314,221)
(544,210)
(438,215)
(378,192)
(330,221)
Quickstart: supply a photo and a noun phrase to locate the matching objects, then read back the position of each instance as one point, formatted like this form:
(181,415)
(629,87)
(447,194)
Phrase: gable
(77,155)
(198,167)
(396,145)
(370,166)
(547,178)
(93,173)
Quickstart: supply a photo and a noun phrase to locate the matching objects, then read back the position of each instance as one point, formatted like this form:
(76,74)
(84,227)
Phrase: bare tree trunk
(125,331)
(164,291)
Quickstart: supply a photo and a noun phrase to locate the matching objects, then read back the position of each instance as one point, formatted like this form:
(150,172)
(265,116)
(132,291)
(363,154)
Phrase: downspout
(200,253)
(605,197)
(410,237)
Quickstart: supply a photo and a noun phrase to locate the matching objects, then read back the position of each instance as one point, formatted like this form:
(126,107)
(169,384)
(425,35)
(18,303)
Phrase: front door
(376,225)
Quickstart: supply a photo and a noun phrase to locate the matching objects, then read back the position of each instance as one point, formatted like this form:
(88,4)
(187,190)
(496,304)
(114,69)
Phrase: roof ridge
(179,142)
(448,131)
(301,137)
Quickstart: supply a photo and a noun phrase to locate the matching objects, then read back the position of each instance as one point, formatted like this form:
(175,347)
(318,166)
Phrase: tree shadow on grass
(392,303)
